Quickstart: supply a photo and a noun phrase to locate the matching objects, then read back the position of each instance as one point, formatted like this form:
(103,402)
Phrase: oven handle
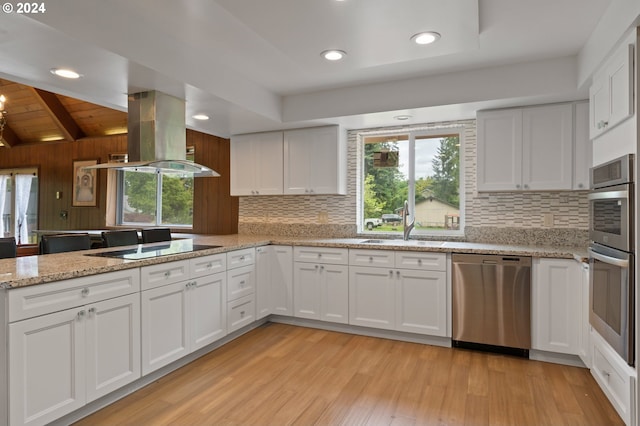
(608,259)
(608,195)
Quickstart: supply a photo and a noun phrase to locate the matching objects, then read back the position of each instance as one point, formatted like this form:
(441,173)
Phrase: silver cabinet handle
(84,292)
(322,267)
(167,274)
(81,314)
(92,310)
(526,186)
(420,262)
(518,186)
(209,265)
(242,313)
(398,274)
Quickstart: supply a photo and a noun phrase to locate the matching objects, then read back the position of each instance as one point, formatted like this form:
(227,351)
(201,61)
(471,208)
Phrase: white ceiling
(255,65)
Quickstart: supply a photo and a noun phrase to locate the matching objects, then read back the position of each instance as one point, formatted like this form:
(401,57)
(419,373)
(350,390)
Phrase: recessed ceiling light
(65,73)
(333,55)
(201,117)
(427,37)
(402,117)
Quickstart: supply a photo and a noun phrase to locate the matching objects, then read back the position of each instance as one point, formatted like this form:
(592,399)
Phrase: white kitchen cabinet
(274,281)
(525,148)
(421,302)
(556,305)
(321,284)
(616,379)
(165,325)
(372,295)
(582,150)
(181,317)
(48,349)
(80,354)
(611,94)
(257,164)
(241,288)
(315,161)
(404,291)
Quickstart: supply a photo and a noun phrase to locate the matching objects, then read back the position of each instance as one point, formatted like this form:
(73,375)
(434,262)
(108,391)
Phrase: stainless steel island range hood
(157,137)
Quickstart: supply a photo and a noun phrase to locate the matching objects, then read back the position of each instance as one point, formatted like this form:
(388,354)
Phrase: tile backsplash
(556,218)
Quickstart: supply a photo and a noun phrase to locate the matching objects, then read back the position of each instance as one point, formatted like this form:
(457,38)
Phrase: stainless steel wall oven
(611,255)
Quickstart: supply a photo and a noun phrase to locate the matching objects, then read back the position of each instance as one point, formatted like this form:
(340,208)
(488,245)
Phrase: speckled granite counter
(31,270)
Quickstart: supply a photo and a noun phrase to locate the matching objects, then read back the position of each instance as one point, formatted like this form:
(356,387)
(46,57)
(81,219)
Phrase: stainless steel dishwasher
(492,303)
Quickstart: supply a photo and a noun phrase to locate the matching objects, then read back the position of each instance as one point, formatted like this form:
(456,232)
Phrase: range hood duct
(157,137)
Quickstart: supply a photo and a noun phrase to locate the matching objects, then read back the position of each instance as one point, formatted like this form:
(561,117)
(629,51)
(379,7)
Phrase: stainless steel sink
(396,242)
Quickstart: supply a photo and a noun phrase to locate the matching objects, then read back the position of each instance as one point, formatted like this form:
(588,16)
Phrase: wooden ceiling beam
(9,137)
(67,125)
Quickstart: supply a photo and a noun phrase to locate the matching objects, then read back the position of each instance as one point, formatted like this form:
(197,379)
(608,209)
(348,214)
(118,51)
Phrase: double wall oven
(611,255)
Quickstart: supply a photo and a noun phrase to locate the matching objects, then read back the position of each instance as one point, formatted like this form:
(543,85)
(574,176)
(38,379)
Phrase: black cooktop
(146,252)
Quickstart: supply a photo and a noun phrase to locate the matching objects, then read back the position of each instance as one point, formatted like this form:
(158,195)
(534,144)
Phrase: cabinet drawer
(238,258)
(421,260)
(382,258)
(613,375)
(241,312)
(240,282)
(27,302)
(153,276)
(336,256)
(207,265)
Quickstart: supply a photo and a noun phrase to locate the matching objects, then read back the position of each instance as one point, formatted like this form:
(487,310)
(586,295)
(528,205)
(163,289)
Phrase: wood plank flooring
(279,374)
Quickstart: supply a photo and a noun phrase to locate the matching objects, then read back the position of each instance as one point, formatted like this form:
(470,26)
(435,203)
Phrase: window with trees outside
(153,199)
(422,167)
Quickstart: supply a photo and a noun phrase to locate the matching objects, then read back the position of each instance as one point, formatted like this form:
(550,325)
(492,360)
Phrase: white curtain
(23,189)
(3,195)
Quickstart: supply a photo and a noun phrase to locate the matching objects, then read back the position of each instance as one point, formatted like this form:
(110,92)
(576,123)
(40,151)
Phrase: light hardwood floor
(280,374)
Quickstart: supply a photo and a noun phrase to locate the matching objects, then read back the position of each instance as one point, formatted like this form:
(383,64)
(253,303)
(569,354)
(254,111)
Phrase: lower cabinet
(241,288)
(274,281)
(412,298)
(180,318)
(321,290)
(80,354)
(556,305)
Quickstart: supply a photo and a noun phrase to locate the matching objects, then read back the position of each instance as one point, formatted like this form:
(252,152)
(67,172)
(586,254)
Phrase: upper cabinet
(526,148)
(611,94)
(256,164)
(302,161)
(315,161)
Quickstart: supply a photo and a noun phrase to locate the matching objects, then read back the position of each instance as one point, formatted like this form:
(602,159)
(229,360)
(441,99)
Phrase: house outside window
(420,166)
(19,204)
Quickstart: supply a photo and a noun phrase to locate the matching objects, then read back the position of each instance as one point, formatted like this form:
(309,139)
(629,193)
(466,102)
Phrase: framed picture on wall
(85,184)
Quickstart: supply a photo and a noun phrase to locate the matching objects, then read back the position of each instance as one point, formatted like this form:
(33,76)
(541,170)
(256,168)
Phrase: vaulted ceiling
(38,116)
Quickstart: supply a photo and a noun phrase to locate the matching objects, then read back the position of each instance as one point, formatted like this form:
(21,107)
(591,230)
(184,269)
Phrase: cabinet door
(256,164)
(421,302)
(499,150)
(335,293)
(265,257)
(582,147)
(598,106)
(281,290)
(620,75)
(556,305)
(372,297)
(207,306)
(547,147)
(165,326)
(46,367)
(315,161)
(306,291)
(113,344)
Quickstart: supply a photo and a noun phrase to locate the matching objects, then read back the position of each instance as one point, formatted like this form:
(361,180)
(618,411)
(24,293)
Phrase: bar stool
(155,235)
(8,247)
(127,237)
(61,243)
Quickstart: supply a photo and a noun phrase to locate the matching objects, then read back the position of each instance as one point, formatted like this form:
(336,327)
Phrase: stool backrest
(120,238)
(8,247)
(155,235)
(61,243)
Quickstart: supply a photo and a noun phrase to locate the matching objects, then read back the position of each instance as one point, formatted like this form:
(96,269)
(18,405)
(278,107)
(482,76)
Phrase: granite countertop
(32,270)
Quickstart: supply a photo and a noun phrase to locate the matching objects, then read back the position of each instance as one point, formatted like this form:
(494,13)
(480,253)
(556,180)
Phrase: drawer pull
(242,258)
(242,313)
(92,310)
(370,259)
(319,255)
(209,265)
(242,283)
(167,274)
(81,314)
(420,262)
(85,292)
(322,267)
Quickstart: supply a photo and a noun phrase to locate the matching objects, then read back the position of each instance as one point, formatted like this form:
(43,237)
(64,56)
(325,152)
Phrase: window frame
(413,134)
(12,172)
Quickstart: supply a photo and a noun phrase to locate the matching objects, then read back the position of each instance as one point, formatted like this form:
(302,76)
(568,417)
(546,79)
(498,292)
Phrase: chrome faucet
(407,227)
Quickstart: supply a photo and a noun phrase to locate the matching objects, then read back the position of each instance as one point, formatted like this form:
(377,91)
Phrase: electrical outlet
(64,214)
(547,219)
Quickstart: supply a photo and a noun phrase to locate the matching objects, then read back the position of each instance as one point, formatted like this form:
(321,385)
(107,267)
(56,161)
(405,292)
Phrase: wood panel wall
(215,211)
